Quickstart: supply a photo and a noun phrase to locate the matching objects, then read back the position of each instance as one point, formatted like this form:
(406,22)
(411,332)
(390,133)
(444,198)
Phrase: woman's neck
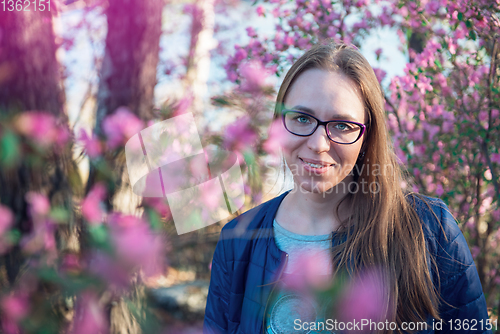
(310,213)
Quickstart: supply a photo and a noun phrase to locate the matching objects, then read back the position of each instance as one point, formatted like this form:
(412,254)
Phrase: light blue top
(286,305)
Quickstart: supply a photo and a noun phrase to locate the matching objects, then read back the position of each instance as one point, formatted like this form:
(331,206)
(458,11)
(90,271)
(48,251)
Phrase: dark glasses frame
(319,122)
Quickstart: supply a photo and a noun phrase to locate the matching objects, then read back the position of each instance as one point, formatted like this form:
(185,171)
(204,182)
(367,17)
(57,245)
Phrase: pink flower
(380,74)
(89,315)
(15,307)
(439,190)
(92,209)
(110,270)
(42,127)
(159,205)
(495,157)
(311,270)
(424,84)
(261,11)
(91,144)
(239,135)
(42,235)
(135,244)
(365,297)
(277,136)
(120,126)
(6,219)
(41,238)
(71,262)
(183,105)
(39,205)
(253,76)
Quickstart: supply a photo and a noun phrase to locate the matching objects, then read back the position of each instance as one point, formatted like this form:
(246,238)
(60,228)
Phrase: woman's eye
(342,126)
(302,119)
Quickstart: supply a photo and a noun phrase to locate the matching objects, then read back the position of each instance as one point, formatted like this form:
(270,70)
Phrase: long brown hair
(383,228)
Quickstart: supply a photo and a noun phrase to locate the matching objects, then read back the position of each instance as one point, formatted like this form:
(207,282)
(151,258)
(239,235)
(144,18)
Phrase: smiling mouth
(316,165)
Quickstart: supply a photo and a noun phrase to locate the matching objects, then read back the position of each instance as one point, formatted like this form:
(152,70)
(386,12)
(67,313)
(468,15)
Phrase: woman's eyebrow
(335,117)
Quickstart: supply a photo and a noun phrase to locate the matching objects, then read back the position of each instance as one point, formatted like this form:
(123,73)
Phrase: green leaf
(220,101)
(10,151)
(14,236)
(472,35)
(438,64)
(60,215)
(98,234)
(460,16)
(154,219)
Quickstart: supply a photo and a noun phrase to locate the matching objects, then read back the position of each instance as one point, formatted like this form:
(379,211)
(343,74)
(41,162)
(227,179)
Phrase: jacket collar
(267,225)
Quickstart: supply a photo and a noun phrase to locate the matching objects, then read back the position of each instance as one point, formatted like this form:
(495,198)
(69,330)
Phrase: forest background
(81,253)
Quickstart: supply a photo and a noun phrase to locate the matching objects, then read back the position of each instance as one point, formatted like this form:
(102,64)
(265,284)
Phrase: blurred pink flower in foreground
(366,297)
(159,205)
(13,308)
(91,144)
(239,135)
(42,127)
(183,105)
(311,270)
(109,270)
(253,76)
(91,206)
(89,315)
(261,10)
(39,205)
(120,126)
(136,245)
(42,235)
(277,137)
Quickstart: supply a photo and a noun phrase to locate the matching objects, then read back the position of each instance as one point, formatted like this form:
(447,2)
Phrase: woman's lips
(306,164)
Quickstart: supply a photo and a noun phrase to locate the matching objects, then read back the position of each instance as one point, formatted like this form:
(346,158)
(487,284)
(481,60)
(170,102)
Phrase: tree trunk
(128,73)
(30,74)
(128,78)
(30,79)
(198,59)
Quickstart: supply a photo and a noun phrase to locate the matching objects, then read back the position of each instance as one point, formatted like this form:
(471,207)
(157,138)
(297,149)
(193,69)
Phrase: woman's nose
(319,141)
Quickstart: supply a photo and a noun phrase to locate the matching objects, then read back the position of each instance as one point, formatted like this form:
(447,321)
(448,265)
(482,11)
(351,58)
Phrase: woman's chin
(323,187)
(317,188)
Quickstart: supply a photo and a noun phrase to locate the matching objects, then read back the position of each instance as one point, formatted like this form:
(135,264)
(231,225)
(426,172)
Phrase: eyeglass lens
(304,125)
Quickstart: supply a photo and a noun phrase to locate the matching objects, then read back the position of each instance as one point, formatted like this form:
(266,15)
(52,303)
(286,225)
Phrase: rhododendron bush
(443,114)
(123,250)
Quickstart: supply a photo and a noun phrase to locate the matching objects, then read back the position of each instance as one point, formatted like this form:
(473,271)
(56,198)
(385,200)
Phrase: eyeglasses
(338,131)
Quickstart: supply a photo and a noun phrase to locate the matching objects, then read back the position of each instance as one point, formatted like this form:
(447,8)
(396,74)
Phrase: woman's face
(327,96)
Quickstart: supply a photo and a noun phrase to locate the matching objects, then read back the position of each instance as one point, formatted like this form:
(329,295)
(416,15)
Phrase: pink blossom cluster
(120,126)
(43,128)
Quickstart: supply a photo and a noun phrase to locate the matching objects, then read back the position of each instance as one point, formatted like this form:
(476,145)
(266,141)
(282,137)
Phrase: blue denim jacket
(247,263)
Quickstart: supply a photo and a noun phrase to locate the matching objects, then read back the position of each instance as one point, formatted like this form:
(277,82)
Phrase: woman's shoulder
(444,239)
(437,220)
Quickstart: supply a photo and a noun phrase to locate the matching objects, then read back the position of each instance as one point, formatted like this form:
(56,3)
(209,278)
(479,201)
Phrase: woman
(347,201)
